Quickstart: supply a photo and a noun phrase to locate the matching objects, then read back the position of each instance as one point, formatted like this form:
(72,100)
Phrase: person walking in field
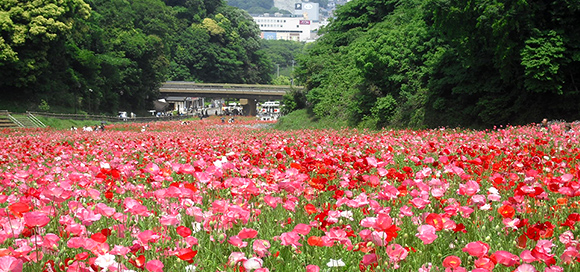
(544,125)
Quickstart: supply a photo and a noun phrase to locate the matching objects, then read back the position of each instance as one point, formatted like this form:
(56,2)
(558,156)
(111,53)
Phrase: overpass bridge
(225,90)
(251,92)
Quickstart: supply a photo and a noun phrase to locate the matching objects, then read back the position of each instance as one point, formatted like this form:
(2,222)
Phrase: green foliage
(541,58)
(43,105)
(513,61)
(305,119)
(293,100)
(282,52)
(105,56)
(247,4)
(377,76)
(410,63)
(281,80)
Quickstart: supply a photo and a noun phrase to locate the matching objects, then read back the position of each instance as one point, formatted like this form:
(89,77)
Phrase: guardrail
(231,86)
(181,88)
(35,120)
(15,121)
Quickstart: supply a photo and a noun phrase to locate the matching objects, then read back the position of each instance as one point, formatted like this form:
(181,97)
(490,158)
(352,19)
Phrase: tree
(29,30)
(520,56)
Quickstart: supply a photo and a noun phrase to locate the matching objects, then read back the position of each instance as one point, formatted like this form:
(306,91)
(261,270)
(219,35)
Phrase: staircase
(5,121)
(35,120)
(8,120)
(23,120)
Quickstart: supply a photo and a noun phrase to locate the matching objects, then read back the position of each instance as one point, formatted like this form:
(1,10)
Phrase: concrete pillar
(249,107)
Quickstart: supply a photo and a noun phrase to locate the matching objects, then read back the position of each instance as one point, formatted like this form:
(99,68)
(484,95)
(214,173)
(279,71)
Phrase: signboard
(269,35)
(304,22)
(298,6)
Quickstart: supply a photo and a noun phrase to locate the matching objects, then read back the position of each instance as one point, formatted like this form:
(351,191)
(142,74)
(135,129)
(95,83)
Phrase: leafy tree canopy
(103,56)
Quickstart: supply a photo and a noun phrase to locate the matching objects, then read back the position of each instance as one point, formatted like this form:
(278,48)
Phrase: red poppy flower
(99,237)
(183,231)
(506,211)
(435,220)
(186,254)
(315,241)
(19,208)
(451,262)
(138,262)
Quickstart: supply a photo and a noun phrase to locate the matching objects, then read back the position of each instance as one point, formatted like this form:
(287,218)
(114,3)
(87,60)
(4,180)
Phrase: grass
(60,124)
(304,119)
(300,119)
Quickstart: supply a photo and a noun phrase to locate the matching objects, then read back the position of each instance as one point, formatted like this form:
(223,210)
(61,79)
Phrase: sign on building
(269,35)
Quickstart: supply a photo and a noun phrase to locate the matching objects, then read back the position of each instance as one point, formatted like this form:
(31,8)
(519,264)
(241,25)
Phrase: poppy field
(207,196)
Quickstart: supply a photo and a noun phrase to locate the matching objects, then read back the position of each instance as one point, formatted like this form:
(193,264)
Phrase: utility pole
(91,101)
(292,74)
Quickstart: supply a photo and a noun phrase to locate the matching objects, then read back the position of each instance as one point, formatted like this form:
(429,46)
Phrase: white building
(287,28)
(302,26)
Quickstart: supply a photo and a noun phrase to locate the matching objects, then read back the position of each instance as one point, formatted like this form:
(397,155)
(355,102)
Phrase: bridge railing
(183,87)
(231,86)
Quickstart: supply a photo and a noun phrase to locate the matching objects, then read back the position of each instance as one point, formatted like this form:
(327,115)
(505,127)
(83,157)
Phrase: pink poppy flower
(554,268)
(119,250)
(236,257)
(302,229)
(169,220)
(10,264)
(476,249)
(506,258)
(36,219)
(383,222)
(543,250)
(261,247)
(485,263)
(526,268)
(148,236)
(426,233)
(337,234)
(154,266)
(369,259)
(135,207)
(396,253)
(253,263)
(50,241)
(76,242)
(567,238)
(247,233)
(569,255)
(105,210)
(290,238)
(420,203)
(237,241)
(152,169)
(470,188)
(312,268)
(527,256)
